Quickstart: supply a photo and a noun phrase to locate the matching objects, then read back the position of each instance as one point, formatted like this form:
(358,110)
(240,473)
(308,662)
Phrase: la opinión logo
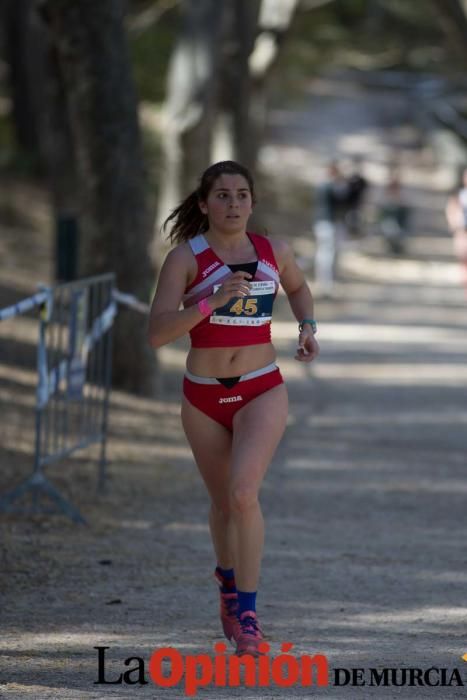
(168,668)
(197,671)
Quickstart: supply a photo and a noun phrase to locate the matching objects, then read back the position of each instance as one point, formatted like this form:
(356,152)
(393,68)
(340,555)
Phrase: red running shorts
(220,402)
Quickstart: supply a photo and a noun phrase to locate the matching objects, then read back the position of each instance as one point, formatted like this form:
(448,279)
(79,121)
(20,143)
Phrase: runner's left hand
(308,348)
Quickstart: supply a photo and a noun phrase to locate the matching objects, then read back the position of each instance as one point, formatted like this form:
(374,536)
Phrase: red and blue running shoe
(250,634)
(228,611)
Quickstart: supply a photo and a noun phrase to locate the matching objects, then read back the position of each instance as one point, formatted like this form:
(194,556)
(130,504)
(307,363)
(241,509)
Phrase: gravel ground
(365,501)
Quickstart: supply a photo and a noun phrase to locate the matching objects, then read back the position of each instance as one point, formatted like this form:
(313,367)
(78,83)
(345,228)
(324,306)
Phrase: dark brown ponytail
(188,218)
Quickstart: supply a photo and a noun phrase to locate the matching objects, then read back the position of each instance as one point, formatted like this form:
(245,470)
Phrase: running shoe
(250,636)
(228,611)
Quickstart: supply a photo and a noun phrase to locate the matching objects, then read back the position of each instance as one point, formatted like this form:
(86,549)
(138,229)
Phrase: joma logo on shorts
(210,268)
(231,399)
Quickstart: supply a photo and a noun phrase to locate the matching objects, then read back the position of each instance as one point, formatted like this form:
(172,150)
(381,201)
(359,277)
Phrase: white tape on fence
(49,381)
(26,304)
(100,326)
(22,306)
(131,301)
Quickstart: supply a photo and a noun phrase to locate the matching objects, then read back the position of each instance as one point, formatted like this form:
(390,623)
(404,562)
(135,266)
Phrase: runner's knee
(243,498)
(221,509)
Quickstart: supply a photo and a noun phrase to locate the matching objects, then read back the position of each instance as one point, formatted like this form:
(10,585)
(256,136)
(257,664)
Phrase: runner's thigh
(211,445)
(258,428)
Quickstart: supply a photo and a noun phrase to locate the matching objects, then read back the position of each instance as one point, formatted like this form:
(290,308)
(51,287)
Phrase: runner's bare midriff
(229,362)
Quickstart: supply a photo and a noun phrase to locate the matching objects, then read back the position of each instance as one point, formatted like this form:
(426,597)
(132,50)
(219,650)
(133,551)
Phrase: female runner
(234,406)
(456,215)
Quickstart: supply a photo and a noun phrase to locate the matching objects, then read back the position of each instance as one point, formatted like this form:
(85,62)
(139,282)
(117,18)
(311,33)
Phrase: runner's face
(228,205)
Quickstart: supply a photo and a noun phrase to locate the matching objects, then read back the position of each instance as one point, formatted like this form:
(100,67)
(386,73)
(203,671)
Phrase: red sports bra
(244,320)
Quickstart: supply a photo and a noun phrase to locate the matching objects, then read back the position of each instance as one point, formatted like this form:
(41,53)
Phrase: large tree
(453,20)
(191,99)
(38,108)
(215,107)
(93,58)
(20,53)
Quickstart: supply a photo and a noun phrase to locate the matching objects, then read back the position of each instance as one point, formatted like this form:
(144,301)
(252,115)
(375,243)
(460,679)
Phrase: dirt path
(365,501)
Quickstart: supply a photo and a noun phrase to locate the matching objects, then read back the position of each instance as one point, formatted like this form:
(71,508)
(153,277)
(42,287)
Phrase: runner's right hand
(234,286)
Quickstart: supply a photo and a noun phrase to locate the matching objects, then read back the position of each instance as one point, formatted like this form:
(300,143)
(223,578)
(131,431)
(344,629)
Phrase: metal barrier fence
(74,372)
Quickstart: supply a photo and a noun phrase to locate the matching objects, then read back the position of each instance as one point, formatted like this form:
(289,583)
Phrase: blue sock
(246,601)
(228,580)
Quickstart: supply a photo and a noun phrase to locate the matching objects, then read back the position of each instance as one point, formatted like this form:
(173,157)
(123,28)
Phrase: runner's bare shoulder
(181,259)
(282,251)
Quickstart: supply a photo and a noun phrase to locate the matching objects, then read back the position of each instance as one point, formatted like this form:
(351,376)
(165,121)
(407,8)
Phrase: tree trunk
(275,18)
(21,54)
(233,138)
(94,62)
(55,137)
(216,104)
(453,20)
(191,100)
(253,36)
(56,150)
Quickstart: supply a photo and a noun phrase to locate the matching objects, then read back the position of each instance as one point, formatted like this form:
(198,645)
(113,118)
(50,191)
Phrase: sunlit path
(371,490)
(365,502)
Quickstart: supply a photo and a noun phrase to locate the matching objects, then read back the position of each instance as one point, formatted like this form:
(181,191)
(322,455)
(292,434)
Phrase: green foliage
(410,14)
(150,54)
(385,34)
(14,160)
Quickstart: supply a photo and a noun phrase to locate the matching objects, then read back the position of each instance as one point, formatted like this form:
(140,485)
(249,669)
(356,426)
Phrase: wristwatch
(311,322)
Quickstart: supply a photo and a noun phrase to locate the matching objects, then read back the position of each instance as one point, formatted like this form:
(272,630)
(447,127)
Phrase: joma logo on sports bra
(231,399)
(209,269)
(266,262)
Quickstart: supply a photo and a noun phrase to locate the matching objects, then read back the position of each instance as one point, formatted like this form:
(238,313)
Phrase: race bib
(252,310)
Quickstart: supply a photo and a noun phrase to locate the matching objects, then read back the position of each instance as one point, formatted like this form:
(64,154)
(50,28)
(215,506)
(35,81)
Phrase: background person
(234,407)
(357,188)
(394,214)
(456,215)
(329,226)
